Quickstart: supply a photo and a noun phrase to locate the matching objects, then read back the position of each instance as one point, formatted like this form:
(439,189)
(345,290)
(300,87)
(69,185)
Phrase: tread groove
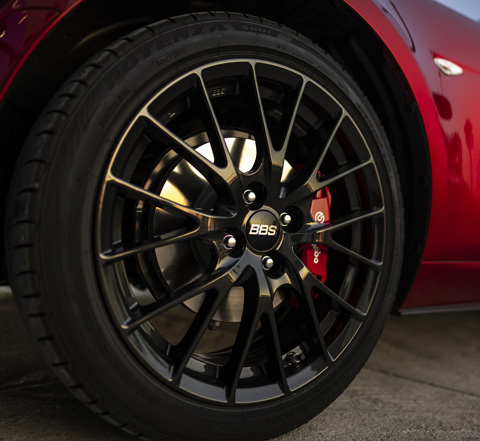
(36,161)
(26,272)
(111,51)
(31,296)
(45,132)
(59,364)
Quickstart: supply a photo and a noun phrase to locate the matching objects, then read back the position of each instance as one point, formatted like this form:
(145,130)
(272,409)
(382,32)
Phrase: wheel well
(331,24)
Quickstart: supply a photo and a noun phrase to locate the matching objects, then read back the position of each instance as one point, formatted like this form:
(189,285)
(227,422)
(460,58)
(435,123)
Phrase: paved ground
(421,383)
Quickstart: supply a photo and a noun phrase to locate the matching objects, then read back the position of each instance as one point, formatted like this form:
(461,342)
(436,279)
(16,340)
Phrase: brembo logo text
(263,230)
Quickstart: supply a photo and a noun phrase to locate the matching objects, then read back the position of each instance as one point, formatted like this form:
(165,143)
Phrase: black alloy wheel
(186,176)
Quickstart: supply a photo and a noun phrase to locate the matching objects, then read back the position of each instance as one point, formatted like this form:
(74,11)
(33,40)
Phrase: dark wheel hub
(263,230)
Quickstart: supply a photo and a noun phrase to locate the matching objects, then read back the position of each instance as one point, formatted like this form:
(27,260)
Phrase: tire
(161,222)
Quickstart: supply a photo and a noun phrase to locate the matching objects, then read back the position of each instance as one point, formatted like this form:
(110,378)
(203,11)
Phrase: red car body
(449,268)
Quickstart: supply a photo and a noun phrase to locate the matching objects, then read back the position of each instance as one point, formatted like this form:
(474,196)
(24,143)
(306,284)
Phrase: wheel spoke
(347,284)
(139,193)
(373,263)
(314,184)
(311,233)
(292,118)
(278,282)
(119,252)
(326,236)
(214,132)
(217,142)
(275,363)
(183,351)
(207,223)
(336,128)
(310,184)
(314,232)
(253,308)
(278,156)
(214,173)
(232,370)
(220,281)
(304,296)
(355,312)
(262,134)
(331,179)
(269,164)
(308,281)
(352,219)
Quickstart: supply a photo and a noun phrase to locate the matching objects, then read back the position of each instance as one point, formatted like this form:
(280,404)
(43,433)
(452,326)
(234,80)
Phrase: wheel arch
(370,47)
(332,24)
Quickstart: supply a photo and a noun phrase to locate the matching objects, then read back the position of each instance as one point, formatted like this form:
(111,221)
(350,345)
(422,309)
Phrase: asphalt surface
(421,383)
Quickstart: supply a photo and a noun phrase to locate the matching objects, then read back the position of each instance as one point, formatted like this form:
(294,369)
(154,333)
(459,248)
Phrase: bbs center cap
(263,230)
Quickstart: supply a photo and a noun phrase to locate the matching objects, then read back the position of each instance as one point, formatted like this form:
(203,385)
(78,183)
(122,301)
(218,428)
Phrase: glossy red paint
(447,105)
(433,287)
(453,234)
(23,25)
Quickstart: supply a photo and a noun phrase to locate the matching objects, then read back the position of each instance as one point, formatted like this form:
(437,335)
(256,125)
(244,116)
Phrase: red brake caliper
(315,256)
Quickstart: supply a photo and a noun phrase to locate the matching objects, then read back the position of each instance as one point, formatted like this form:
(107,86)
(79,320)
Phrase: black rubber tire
(52,208)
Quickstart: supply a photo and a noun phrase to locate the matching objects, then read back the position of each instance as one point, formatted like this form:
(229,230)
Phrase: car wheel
(206,230)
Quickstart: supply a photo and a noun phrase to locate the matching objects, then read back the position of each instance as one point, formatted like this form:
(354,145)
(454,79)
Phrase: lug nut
(249,197)
(229,242)
(267,263)
(285,219)
(293,359)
